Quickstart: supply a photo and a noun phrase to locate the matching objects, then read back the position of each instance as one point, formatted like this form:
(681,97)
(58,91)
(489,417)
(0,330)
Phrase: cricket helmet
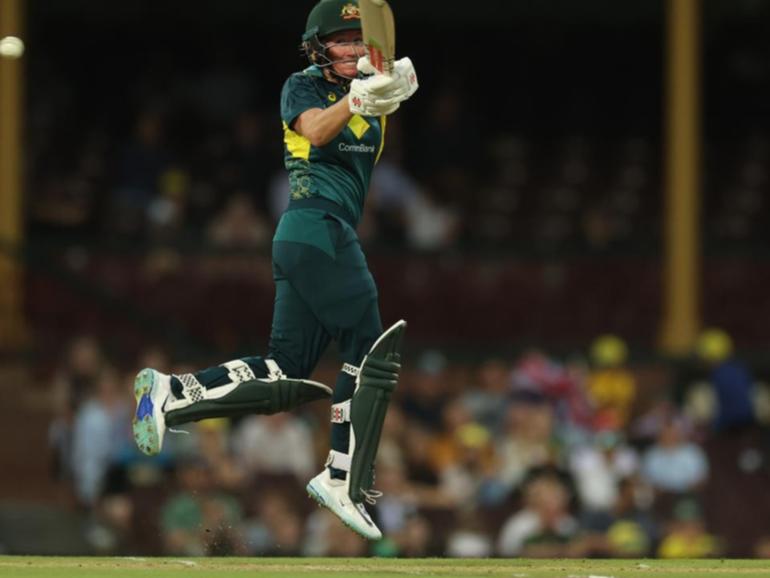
(330,16)
(327,17)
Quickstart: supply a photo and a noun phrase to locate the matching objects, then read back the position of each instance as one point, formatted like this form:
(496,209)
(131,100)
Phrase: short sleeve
(298,95)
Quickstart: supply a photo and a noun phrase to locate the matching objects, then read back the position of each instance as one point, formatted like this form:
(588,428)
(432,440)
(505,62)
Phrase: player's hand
(370,96)
(365,66)
(370,107)
(404,77)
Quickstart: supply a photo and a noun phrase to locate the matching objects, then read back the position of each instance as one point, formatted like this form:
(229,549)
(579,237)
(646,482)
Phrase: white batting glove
(365,66)
(372,108)
(407,76)
(404,77)
(369,96)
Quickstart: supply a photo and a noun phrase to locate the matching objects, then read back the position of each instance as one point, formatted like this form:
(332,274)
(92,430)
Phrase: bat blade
(379,31)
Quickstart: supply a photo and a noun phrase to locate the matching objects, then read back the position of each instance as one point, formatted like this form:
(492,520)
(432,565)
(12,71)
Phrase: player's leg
(354,339)
(377,379)
(251,385)
(347,480)
(261,385)
(343,295)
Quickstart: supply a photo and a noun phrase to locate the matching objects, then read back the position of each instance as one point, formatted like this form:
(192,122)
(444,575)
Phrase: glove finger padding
(384,109)
(368,98)
(371,108)
(379,83)
(365,66)
(407,74)
(402,86)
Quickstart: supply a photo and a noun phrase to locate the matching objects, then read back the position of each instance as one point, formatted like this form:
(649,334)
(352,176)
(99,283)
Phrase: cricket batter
(334,115)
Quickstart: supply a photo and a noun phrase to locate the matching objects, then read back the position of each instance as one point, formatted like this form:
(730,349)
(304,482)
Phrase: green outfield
(53,567)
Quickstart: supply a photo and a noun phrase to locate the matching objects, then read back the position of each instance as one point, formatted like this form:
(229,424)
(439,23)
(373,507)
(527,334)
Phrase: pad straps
(341,412)
(350,369)
(338,460)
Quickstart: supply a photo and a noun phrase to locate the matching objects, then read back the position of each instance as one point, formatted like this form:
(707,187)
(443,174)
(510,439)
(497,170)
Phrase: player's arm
(321,125)
(376,95)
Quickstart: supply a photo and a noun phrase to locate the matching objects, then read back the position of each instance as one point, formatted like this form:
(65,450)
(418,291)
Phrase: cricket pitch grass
(136,567)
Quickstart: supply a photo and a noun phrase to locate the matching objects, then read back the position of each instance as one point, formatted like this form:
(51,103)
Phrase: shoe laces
(371,496)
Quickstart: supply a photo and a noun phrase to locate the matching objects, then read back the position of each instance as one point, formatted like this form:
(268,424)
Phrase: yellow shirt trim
(383,124)
(297,145)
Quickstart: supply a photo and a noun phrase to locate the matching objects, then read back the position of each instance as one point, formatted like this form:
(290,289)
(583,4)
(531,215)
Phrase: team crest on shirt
(350,12)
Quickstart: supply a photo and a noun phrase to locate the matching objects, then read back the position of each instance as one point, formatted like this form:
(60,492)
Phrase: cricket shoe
(333,494)
(151,390)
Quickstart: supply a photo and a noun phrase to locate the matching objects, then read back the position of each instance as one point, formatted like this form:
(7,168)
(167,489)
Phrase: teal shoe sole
(145,427)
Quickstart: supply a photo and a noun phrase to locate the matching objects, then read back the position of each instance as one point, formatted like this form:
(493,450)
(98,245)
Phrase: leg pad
(375,384)
(257,396)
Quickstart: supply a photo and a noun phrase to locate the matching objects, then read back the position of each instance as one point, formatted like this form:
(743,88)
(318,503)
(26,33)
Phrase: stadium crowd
(531,456)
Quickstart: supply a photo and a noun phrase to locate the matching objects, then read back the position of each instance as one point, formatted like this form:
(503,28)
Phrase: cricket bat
(379,31)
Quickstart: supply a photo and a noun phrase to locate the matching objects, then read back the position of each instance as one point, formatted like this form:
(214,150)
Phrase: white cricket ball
(11,47)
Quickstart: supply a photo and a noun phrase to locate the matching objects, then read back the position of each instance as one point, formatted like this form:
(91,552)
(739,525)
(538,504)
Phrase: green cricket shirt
(341,169)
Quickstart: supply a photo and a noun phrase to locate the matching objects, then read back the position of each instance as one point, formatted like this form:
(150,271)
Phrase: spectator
(470,538)
(276,444)
(393,191)
(213,446)
(675,464)
(544,528)
(423,400)
(687,536)
(527,441)
(100,434)
(167,212)
(79,373)
(73,381)
(629,529)
(598,468)
(143,161)
(535,373)
(430,225)
(239,226)
(487,399)
(468,477)
(446,446)
(398,502)
(199,519)
(276,529)
(247,164)
(730,378)
(611,386)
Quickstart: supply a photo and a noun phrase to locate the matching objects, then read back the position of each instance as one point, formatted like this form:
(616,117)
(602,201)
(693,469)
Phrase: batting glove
(370,96)
(404,77)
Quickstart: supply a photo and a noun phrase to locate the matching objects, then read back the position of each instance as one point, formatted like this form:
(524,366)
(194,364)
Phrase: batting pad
(256,396)
(375,384)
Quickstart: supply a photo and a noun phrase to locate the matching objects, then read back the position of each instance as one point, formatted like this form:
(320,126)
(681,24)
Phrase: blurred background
(572,214)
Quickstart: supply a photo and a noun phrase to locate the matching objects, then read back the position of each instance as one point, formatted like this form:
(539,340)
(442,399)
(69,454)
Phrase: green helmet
(332,16)
(327,17)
